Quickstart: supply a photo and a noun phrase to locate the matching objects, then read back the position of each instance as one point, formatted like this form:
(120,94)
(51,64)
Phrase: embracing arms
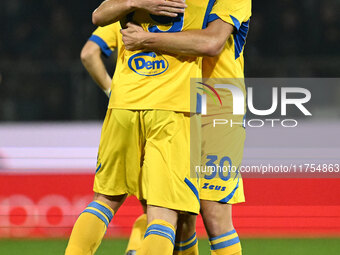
(111,11)
(206,42)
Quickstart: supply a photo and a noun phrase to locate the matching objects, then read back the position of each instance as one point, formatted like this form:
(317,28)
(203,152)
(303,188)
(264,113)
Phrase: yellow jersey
(152,80)
(108,38)
(230,63)
(228,67)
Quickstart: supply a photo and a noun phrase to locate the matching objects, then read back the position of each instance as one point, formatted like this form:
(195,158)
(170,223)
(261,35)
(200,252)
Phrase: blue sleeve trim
(102,44)
(237,24)
(240,37)
(207,13)
(103,209)
(101,217)
(213,17)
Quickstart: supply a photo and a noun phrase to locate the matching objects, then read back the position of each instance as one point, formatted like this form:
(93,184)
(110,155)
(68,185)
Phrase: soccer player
(218,192)
(145,143)
(104,41)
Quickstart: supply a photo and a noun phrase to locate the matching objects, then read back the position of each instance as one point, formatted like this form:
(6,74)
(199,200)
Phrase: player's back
(149,80)
(230,63)
(228,67)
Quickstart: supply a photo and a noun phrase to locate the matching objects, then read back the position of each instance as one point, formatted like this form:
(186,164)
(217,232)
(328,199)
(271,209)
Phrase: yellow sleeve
(107,38)
(234,12)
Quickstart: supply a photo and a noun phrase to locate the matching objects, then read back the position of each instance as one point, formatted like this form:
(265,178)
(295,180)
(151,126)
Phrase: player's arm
(92,61)
(111,11)
(206,42)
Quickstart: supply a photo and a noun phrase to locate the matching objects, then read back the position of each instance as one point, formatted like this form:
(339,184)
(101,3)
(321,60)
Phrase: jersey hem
(141,108)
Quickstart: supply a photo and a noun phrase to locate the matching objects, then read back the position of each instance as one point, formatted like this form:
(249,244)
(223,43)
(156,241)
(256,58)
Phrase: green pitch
(117,247)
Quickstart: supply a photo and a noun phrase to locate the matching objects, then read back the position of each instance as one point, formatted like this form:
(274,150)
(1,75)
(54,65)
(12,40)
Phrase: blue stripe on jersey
(223,235)
(102,208)
(213,17)
(237,24)
(244,121)
(183,248)
(227,198)
(240,36)
(207,13)
(177,24)
(100,166)
(193,188)
(224,244)
(102,44)
(101,217)
(198,103)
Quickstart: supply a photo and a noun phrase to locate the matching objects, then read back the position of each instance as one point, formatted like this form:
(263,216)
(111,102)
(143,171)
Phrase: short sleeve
(234,12)
(107,38)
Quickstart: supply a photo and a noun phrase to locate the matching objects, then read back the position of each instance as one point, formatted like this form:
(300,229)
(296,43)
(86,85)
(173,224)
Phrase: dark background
(42,79)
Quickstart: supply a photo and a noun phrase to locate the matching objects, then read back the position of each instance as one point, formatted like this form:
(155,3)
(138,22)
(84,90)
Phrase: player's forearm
(96,68)
(207,42)
(191,43)
(111,11)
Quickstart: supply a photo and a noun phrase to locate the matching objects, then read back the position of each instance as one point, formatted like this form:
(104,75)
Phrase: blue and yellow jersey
(152,80)
(108,38)
(230,63)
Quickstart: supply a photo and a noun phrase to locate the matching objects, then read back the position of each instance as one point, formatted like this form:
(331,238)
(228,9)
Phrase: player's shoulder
(108,29)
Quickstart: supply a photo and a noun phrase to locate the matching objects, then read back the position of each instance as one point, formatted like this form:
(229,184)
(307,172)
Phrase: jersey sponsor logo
(213,187)
(148,64)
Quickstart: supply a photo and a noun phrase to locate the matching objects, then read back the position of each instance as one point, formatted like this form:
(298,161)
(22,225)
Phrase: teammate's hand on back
(133,36)
(170,8)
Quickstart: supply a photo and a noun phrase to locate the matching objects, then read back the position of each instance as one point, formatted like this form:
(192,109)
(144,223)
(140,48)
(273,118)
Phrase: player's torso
(230,63)
(227,68)
(149,80)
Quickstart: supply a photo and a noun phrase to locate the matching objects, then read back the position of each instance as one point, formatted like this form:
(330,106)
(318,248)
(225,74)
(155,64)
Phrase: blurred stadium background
(51,114)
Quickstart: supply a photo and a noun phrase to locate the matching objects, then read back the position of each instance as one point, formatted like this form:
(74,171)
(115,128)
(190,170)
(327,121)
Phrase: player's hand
(133,36)
(170,8)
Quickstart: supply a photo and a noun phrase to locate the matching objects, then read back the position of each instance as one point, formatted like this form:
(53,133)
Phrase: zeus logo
(213,187)
(239,99)
(148,64)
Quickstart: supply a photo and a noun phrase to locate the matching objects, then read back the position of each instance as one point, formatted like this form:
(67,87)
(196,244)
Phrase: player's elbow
(87,54)
(97,18)
(84,55)
(213,48)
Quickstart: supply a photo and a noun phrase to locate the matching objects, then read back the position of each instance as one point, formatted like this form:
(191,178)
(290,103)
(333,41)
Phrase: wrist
(148,39)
